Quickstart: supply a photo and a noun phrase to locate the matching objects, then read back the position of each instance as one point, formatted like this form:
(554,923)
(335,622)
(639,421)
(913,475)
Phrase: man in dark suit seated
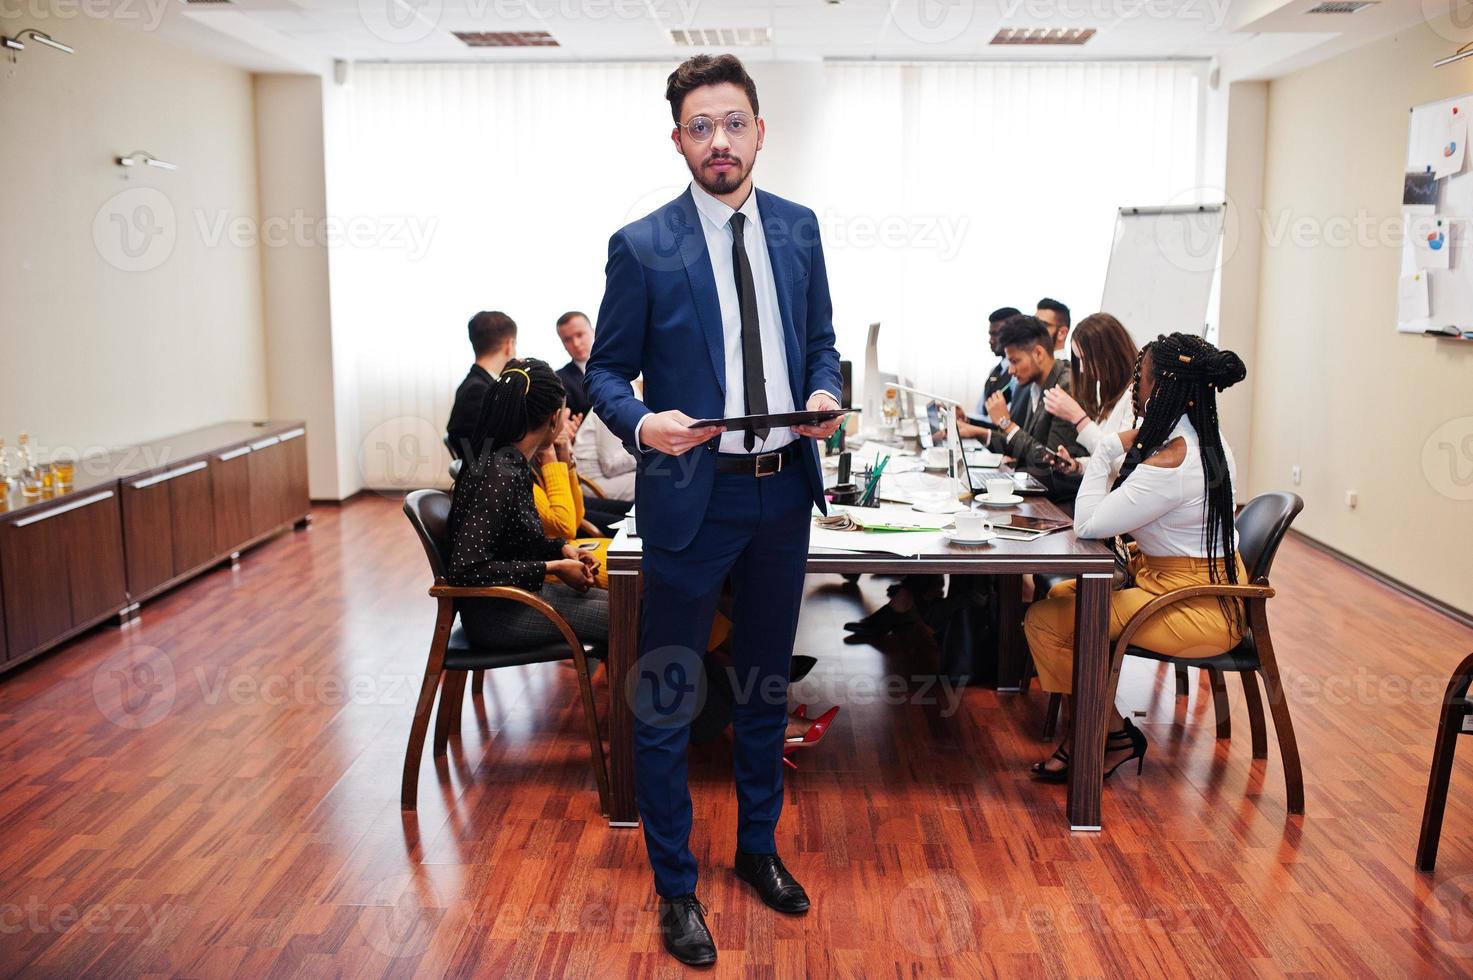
(493,337)
(1024,427)
(576,333)
(1000,376)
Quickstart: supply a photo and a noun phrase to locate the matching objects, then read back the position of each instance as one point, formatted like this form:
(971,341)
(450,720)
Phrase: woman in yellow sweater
(559,497)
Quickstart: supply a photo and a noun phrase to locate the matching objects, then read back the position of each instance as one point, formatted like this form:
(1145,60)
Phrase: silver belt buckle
(769,463)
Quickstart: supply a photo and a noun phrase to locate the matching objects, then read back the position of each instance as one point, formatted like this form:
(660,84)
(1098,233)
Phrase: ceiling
(1246,38)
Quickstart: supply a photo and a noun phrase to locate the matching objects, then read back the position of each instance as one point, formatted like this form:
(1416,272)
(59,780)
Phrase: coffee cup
(972,525)
(999,489)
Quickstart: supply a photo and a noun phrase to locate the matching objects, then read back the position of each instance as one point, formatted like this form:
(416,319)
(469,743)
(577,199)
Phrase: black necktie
(753,380)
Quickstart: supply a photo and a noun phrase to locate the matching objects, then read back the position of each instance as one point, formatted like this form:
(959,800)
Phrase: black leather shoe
(777,886)
(880,622)
(683,928)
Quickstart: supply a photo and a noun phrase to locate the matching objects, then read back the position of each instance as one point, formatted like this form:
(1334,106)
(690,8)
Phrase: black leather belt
(757,464)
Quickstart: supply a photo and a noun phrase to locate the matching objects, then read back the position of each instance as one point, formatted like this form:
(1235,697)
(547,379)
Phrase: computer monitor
(933,433)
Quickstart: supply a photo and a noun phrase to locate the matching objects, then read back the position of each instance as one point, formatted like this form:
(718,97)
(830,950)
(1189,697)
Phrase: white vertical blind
(944,190)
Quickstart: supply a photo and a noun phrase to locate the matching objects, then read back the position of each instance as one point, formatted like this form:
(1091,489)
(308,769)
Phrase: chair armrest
(444,592)
(592,487)
(1259,590)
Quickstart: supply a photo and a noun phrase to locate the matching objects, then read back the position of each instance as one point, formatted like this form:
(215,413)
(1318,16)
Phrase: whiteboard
(1446,292)
(1162,265)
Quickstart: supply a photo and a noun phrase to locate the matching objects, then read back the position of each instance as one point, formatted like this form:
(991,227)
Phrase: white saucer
(1007,501)
(937,507)
(950,534)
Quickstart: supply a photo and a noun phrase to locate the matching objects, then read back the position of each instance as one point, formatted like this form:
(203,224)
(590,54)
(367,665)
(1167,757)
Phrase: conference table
(1060,553)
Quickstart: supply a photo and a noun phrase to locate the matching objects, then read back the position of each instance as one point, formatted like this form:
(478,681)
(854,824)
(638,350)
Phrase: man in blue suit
(721,301)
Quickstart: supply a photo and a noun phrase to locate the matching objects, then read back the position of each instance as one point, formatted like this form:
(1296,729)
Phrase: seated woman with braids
(496,535)
(1174,496)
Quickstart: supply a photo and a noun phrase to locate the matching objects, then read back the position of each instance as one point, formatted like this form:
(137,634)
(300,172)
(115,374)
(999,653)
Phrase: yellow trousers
(1195,628)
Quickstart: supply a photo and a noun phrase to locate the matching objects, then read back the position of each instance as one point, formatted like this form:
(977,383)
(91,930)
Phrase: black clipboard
(742,423)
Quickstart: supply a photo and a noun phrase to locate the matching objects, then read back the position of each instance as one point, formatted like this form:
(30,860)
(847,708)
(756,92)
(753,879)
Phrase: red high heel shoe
(811,737)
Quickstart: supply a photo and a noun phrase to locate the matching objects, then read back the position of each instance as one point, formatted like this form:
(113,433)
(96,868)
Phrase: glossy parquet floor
(214,792)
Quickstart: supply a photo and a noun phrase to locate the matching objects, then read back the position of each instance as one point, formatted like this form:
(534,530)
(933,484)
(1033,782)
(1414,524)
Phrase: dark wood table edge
(1093,573)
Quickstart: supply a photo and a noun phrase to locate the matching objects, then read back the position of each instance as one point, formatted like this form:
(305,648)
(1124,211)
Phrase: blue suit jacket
(660,317)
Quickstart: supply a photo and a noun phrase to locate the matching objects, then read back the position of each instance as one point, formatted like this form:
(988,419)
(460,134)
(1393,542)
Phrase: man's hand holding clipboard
(820,420)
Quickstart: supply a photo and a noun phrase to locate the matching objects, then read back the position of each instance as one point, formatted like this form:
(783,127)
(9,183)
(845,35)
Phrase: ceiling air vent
(1043,35)
(722,37)
(507,39)
(207,3)
(1340,6)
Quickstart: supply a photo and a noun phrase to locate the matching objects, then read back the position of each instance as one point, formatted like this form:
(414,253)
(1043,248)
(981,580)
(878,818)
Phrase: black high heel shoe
(1129,737)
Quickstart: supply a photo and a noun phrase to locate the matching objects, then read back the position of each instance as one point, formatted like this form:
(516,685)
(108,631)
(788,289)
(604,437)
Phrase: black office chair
(455,462)
(452,655)
(1456,706)
(1261,527)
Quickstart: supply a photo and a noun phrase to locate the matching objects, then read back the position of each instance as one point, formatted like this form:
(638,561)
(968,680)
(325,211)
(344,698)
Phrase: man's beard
(717,184)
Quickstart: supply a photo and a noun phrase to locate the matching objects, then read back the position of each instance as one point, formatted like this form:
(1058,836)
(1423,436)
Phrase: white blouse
(1121,417)
(1162,507)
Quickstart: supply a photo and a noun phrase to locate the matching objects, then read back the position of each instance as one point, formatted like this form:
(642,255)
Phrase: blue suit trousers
(756,531)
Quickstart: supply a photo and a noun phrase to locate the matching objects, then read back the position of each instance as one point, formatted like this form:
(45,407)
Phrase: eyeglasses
(702,128)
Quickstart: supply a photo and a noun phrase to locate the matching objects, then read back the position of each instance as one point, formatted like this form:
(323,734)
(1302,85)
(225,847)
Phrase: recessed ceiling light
(507,39)
(722,37)
(1043,35)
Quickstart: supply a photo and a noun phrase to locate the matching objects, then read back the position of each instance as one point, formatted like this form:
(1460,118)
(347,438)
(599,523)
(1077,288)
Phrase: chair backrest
(1261,527)
(429,512)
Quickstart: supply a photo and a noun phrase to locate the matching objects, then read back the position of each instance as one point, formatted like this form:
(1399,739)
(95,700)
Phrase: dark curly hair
(1188,374)
(705,69)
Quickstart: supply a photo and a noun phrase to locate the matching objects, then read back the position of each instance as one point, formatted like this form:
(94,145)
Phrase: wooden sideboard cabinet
(140,521)
(61,569)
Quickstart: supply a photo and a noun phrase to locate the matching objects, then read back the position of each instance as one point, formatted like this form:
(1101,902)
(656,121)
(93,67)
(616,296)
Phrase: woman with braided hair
(1174,497)
(496,534)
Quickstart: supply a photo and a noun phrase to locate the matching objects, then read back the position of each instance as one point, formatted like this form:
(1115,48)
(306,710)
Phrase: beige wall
(1338,391)
(1246,105)
(110,336)
(294,268)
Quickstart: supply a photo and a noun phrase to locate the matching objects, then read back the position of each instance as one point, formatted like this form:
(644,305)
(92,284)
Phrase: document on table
(906,544)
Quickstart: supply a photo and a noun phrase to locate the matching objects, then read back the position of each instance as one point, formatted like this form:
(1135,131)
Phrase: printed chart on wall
(1435,293)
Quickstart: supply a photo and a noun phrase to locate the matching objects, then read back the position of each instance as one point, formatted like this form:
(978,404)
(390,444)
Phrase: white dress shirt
(1162,507)
(604,459)
(1034,393)
(716,225)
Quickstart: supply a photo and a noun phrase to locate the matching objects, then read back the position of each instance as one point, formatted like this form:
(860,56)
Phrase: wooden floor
(214,792)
